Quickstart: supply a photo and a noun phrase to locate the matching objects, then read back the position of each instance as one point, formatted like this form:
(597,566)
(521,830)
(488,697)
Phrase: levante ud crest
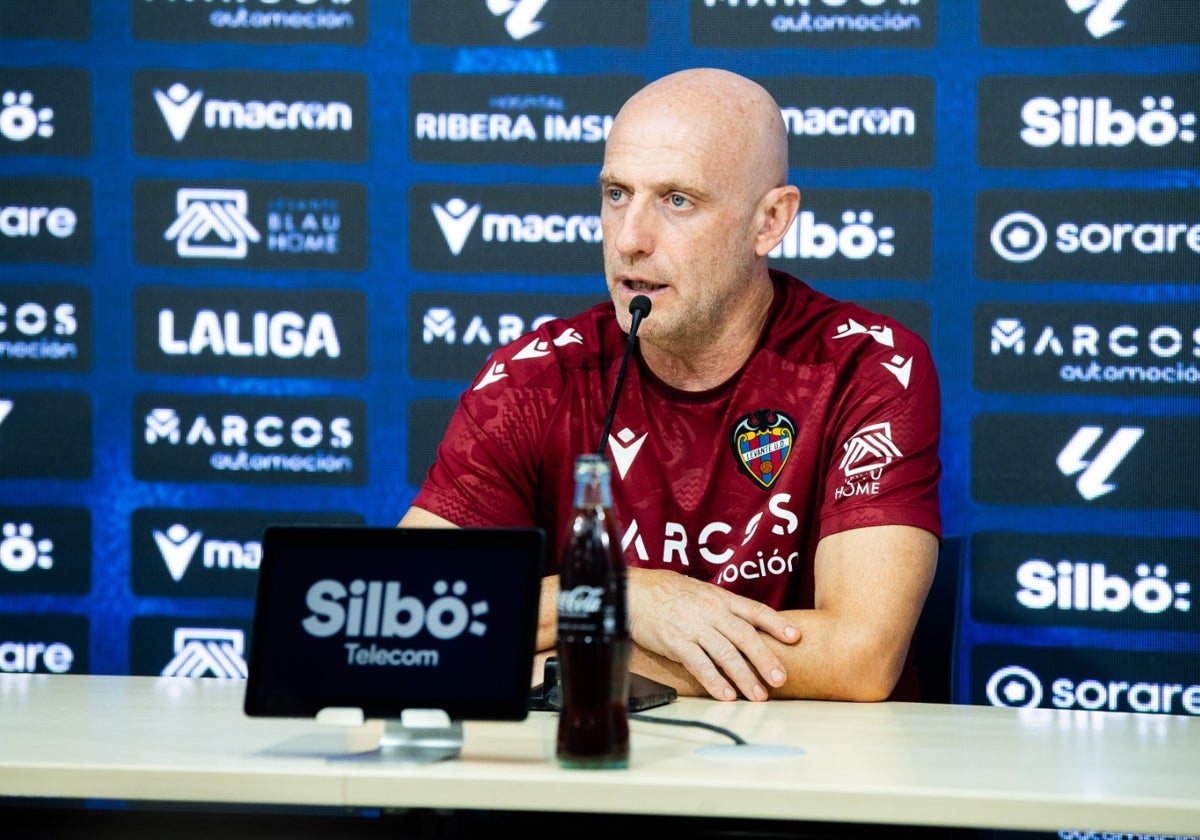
(762,442)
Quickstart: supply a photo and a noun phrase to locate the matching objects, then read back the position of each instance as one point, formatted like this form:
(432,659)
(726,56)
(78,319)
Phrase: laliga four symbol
(762,442)
(520,16)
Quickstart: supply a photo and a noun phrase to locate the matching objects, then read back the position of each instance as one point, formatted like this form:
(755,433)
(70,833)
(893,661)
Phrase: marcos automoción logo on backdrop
(178,646)
(813,23)
(1085,347)
(256,440)
(451,334)
(250,332)
(253,21)
(250,115)
(46,327)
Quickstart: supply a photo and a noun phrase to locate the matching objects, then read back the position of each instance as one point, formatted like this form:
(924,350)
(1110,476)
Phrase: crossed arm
(871,584)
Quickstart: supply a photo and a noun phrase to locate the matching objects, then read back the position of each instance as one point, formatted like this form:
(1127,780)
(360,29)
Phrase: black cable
(737,739)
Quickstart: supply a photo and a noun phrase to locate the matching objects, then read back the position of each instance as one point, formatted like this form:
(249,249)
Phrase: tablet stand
(418,736)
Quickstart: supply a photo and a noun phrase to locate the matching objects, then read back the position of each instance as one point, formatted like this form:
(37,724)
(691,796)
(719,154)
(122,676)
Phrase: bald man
(775,451)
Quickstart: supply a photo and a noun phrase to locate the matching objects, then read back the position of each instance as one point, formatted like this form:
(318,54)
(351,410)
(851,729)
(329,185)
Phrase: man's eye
(615,194)
(677,200)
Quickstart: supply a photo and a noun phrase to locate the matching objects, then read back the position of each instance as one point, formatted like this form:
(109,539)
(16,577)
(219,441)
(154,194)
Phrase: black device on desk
(422,627)
(644,693)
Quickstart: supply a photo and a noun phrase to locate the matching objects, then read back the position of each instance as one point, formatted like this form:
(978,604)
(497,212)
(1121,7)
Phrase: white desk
(187,740)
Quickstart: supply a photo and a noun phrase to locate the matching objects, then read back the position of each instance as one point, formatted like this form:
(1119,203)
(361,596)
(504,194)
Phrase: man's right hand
(711,632)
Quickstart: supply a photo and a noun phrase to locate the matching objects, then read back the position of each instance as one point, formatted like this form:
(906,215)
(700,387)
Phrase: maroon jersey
(832,424)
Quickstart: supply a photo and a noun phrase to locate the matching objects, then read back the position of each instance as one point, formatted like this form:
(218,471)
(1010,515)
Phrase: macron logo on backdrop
(178,106)
(456,219)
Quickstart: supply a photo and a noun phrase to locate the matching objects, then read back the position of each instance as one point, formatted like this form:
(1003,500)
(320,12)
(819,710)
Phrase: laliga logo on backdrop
(1102,19)
(519,15)
(18,119)
(375,609)
(1094,474)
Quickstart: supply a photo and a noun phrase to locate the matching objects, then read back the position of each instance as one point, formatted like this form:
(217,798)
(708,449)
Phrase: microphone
(639,308)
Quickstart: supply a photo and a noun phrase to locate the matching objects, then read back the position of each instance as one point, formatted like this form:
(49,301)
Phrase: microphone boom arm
(639,308)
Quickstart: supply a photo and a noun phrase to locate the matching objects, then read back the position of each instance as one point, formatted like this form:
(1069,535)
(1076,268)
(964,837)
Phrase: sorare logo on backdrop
(46,220)
(1095,236)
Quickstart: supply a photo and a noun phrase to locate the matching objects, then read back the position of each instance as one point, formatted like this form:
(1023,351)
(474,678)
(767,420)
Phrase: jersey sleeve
(485,469)
(884,465)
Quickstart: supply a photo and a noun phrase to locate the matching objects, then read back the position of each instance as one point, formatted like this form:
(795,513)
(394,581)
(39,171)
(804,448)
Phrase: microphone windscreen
(640,306)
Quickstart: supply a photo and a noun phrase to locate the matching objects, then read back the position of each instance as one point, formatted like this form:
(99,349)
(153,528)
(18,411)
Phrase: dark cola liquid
(593,645)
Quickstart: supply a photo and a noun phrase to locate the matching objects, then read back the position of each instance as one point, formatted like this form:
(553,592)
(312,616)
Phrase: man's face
(676,214)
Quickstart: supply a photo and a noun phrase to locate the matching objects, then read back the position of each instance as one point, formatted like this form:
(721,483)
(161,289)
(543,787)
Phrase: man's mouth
(642,286)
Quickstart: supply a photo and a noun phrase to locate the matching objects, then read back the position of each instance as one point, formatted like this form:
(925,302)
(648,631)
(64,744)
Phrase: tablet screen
(387,619)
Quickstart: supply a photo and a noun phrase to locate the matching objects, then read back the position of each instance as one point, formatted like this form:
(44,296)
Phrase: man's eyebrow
(658,188)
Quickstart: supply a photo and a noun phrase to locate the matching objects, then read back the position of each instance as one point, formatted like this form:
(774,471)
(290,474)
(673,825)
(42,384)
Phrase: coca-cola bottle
(593,628)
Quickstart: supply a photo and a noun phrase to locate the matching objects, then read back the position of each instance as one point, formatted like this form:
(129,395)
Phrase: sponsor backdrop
(251,251)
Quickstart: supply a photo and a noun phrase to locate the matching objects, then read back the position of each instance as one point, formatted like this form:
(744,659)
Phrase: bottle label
(580,602)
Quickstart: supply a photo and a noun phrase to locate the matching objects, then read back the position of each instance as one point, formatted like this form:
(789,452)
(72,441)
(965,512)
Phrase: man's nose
(635,229)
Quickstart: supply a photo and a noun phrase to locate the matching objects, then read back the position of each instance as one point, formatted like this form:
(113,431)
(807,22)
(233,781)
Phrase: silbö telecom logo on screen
(376,610)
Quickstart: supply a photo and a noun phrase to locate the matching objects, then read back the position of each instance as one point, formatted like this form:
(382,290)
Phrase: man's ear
(777,211)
